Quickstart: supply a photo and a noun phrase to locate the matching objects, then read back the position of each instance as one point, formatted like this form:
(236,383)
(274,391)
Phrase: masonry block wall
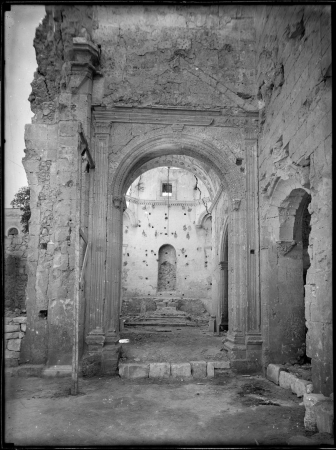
(52,176)
(294,90)
(153,227)
(15,262)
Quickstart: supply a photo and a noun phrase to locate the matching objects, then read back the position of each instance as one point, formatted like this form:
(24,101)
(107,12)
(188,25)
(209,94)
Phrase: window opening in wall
(167,189)
(13,232)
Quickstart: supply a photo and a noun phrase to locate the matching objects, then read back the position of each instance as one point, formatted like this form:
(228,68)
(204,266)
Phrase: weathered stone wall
(175,55)
(294,90)
(52,175)
(15,262)
(15,329)
(147,228)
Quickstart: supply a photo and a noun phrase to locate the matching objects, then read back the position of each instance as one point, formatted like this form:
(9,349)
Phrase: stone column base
(110,359)
(254,347)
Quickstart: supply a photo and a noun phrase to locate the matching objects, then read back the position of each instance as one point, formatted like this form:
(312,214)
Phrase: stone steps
(164,316)
(184,370)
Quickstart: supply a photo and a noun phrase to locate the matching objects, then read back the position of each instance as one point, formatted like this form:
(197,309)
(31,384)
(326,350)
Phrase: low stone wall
(15,329)
(194,369)
(319,415)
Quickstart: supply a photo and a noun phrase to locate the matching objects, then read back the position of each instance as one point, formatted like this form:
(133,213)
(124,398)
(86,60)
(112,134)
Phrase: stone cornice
(165,202)
(175,117)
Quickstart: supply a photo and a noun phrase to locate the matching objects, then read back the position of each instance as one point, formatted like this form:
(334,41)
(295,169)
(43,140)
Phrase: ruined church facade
(238,95)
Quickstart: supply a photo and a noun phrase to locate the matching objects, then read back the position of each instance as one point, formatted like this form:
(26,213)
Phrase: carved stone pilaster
(235,204)
(285,247)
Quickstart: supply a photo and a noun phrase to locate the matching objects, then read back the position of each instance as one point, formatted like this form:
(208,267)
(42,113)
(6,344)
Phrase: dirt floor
(171,344)
(228,409)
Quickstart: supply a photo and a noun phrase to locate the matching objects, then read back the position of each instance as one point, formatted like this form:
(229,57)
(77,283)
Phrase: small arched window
(13,231)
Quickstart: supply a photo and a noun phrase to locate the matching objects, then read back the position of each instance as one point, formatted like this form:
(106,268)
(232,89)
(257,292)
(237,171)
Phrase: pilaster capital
(102,127)
(119,202)
(251,133)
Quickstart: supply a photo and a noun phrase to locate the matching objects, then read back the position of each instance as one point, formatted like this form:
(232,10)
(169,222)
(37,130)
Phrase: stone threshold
(185,370)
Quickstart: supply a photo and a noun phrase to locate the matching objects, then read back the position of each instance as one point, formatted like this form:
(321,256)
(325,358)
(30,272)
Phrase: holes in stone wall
(43,314)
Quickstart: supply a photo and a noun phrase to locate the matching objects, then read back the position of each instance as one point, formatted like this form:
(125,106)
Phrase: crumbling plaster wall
(294,90)
(174,55)
(142,242)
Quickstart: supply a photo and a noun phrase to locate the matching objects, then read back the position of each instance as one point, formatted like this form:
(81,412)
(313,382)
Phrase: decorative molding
(178,118)
(236,204)
(139,201)
(285,247)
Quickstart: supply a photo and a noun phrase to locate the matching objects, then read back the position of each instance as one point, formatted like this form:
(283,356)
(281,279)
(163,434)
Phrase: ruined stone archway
(287,305)
(122,173)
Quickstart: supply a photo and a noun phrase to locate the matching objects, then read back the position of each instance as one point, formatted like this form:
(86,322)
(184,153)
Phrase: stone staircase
(166,314)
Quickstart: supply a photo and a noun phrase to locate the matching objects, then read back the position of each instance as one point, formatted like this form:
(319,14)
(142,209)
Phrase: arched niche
(166,268)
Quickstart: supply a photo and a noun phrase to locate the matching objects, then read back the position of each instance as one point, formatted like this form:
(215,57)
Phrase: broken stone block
(198,369)
(324,412)
(11,328)
(91,365)
(286,380)
(20,320)
(309,401)
(14,344)
(273,372)
(132,370)
(159,370)
(211,366)
(301,387)
(23,327)
(182,370)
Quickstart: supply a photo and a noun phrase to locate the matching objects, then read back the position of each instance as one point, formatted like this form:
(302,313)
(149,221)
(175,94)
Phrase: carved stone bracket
(285,247)
(235,204)
(178,127)
(84,51)
(119,202)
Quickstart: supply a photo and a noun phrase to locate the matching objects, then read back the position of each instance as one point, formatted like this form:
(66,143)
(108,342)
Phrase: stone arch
(12,231)
(288,203)
(190,164)
(166,268)
(284,201)
(202,218)
(214,156)
(223,307)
